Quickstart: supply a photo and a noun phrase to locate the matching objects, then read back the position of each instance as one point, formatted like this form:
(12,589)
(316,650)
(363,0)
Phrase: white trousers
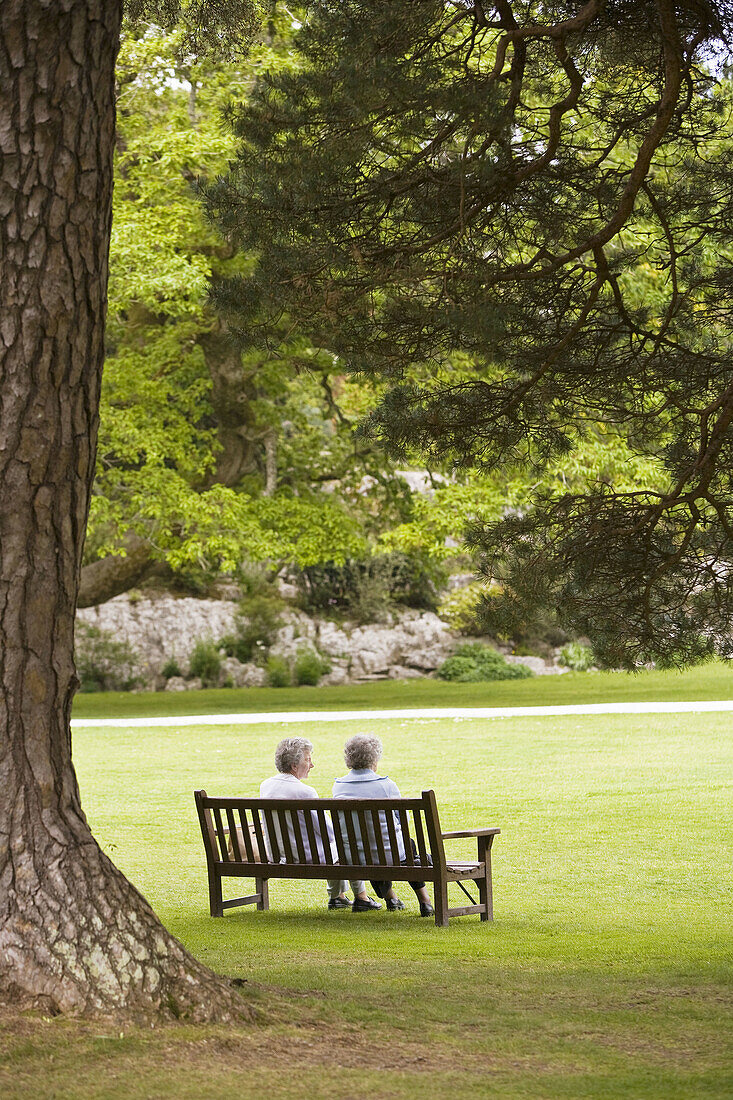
(336,886)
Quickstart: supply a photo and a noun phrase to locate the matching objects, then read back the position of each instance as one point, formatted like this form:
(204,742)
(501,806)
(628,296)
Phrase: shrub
(103,662)
(278,672)
(310,666)
(365,590)
(257,579)
(194,580)
(170,668)
(476,662)
(577,656)
(461,608)
(205,662)
(257,622)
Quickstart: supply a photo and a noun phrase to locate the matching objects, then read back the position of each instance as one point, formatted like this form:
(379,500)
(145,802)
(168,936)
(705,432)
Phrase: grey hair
(290,752)
(362,751)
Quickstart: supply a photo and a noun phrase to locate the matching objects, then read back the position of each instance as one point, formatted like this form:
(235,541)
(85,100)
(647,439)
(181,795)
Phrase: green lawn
(607,973)
(712,681)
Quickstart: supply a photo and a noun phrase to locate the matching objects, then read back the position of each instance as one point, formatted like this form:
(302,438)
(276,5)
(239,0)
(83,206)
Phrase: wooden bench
(264,838)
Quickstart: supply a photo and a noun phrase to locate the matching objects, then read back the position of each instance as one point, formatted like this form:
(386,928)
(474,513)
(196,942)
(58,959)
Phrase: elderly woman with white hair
(362,754)
(294,763)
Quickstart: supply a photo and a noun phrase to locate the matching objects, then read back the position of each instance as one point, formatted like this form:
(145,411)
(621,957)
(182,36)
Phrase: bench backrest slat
(394,855)
(379,838)
(259,833)
(323,829)
(368,838)
(220,834)
(233,836)
(355,849)
(285,841)
(337,821)
(247,836)
(272,836)
(405,825)
(296,823)
(313,845)
(422,850)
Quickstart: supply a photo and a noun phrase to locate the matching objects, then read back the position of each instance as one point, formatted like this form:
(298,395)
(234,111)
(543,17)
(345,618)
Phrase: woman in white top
(294,763)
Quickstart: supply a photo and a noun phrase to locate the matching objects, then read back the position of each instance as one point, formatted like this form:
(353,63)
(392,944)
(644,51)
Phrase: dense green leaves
(519,218)
(210,454)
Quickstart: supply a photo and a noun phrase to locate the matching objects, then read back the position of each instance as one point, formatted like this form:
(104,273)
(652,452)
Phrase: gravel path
(300,717)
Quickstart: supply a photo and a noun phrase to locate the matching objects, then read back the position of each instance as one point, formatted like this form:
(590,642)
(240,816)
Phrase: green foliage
(218,27)
(474,662)
(170,668)
(309,666)
(256,625)
(279,673)
(365,590)
(529,250)
(190,422)
(577,656)
(205,662)
(103,662)
(461,608)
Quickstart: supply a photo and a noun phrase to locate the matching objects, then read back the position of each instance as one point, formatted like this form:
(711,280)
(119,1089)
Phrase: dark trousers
(381,889)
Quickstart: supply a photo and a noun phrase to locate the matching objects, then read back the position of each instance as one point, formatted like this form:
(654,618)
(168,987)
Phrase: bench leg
(440,895)
(215,906)
(263,889)
(485,890)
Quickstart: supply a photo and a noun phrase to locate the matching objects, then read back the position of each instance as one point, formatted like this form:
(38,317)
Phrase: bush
(461,608)
(257,623)
(278,672)
(103,662)
(170,668)
(310,666)
(205,662)
(476,662)
(366,590)
(577,656)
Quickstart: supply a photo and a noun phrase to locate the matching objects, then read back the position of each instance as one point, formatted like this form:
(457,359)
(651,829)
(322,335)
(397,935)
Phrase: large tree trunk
(74,934)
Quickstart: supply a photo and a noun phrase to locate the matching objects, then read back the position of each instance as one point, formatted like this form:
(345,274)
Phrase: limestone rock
(242,675)
(162,627)
(333,640)
(177,683)
(402,672)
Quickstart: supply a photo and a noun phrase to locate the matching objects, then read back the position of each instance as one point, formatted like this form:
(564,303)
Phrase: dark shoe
(364,905)
(339,903)
(426,910)
(395,903)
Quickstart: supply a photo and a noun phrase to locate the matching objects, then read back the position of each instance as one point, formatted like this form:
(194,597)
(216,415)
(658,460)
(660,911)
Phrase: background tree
(545,190)
(75,935)
(207,456)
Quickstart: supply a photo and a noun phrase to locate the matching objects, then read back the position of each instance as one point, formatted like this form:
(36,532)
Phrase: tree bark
(231,395)
(108,577)
(75,935)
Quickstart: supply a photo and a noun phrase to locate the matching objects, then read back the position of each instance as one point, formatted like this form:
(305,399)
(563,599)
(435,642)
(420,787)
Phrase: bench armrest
(471,832)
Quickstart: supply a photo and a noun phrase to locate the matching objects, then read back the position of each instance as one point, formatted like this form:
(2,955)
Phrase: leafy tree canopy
(207,455)
(541,194)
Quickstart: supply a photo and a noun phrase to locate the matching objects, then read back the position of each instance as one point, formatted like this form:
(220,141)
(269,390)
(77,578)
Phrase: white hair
(290,752)
(362,751)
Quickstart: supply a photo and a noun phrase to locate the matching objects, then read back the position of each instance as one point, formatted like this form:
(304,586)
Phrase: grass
(711,681)
(607,973)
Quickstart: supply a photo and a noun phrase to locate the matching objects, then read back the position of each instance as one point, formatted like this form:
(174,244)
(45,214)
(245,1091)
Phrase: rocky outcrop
(164,629)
